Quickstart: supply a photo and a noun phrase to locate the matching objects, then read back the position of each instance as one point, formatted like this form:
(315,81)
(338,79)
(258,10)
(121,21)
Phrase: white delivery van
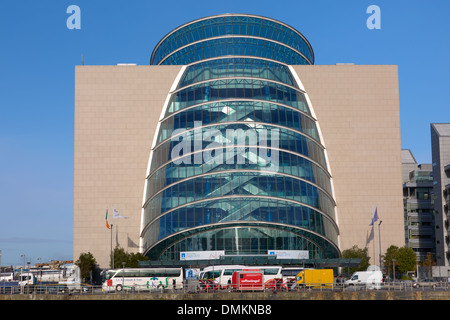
(370,279)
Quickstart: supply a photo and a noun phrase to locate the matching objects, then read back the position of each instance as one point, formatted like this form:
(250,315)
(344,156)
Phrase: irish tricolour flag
(106,218)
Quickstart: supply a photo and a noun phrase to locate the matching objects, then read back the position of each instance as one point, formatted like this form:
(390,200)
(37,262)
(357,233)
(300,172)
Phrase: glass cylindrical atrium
(238,165)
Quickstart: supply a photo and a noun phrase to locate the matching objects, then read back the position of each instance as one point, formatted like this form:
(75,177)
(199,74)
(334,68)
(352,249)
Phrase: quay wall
(243,296)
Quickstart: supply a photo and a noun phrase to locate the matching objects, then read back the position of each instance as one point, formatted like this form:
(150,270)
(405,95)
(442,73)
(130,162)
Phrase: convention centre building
(232,142)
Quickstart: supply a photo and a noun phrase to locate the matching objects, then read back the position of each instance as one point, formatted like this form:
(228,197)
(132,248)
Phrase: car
(425,283)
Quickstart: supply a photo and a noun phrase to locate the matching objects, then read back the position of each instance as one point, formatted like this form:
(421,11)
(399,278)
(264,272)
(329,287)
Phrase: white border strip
(313,114)
(155,139)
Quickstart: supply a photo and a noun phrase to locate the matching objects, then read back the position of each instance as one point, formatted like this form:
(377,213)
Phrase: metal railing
(194,287)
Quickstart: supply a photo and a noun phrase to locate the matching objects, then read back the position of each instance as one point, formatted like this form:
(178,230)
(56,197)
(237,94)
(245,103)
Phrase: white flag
(116,214)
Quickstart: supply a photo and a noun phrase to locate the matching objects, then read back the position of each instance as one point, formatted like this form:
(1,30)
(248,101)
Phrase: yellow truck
(315,278)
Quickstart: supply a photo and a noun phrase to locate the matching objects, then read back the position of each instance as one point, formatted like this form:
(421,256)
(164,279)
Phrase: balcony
(422,183)
(416,217)
(420,231)
(415,204)
(421,243)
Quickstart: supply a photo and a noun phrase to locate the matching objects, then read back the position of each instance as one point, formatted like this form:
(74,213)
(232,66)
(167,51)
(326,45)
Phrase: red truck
(250,280)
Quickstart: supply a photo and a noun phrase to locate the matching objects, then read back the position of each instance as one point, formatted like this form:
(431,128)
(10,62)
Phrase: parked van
(370,279)
(315,278)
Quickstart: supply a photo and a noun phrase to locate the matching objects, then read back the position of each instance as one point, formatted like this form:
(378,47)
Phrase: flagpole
(110,228)
(112,253)
(374,245)
(379,239)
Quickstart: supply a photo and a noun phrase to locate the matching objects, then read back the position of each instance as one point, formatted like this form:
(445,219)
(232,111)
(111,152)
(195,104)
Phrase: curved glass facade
(238,163)
(240,88)
(237,67)
(246,27)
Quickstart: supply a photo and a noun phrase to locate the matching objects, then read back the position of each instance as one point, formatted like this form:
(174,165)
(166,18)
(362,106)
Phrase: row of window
(246,241)
(144,272)
(234,46)
(231,184)
(235,25)
(229,111)
(286,163)
(217,137)
(237,89)
(240,209)
(237,67)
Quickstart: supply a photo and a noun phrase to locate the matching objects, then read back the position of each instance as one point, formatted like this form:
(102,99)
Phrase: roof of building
(407,156)
(442,129)
(196,21)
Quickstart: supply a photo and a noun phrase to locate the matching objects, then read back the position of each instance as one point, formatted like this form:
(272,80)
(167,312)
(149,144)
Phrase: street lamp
(123,274)
(23,267)
(393,263)
(112,252)
(40,268)
(379,238)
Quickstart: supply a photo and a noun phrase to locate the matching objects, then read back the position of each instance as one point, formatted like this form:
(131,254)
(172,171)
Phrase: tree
(87,264)
(131,260)
(404,259)
(429,262)
(120,256)
(389,257)
(357,253)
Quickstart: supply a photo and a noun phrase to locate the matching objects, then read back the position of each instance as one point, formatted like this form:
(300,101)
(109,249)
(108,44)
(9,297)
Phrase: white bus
(142,279)
(290,273)
(223,274)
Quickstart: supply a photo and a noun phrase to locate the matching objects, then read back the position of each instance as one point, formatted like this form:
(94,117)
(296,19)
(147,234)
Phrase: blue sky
(38,54)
